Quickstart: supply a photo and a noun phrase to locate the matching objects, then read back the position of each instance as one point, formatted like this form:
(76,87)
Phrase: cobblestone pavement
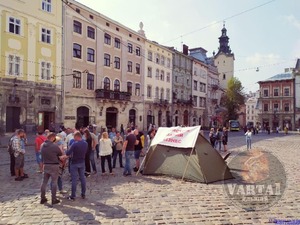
(148,199)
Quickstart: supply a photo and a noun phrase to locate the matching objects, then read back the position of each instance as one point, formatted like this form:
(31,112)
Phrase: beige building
(158,85)
(214,93)
(30,81)
(224,60)
(199,92)
(252,110)
(104,67)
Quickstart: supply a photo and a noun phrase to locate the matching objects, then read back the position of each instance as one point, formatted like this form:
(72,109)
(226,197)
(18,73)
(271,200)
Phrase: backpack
(10,149)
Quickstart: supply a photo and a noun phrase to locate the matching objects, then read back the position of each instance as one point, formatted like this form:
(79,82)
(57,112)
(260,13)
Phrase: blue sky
(267,37)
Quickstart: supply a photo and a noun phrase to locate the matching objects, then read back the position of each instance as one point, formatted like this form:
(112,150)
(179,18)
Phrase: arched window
(106,83)
(157,74)
(156,92)
(137,89)
(117,85)
(162,92)
(129,87)
(162,75)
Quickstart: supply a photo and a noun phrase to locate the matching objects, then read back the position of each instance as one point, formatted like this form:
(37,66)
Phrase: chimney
(185,49)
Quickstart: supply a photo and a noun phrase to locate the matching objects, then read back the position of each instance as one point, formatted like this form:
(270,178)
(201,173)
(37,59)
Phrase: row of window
(159,75)
(286,107)
(276,93)
(77,83)
(77,80)
(202,86)
(77,28)
(201,103)
(159,59)
(159,94)
(14,26)
(14,67)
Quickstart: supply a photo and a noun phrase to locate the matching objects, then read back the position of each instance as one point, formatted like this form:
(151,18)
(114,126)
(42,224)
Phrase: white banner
(181,137)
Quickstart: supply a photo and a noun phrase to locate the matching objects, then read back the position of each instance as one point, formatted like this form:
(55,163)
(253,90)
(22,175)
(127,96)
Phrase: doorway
(150,118)
(44,120)
(12,118)
(83,118)
(185,118)
(132,116)
(159,118)
(168,118)
(111,117)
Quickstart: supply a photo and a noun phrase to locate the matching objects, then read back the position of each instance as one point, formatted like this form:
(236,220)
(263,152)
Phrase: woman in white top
(248,135)
(105,152)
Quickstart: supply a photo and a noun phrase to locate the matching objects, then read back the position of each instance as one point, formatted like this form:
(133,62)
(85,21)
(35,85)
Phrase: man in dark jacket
(50,156)
(78,150)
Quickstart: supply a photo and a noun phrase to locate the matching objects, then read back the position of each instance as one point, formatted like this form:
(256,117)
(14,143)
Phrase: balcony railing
(215,86)
(113,95)
(183,101)
(214,101)
(161,101)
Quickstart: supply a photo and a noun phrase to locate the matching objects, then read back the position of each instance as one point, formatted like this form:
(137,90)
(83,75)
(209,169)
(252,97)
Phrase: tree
(232,99)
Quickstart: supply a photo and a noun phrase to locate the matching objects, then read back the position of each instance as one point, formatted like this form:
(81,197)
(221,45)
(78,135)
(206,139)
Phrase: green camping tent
(201,163)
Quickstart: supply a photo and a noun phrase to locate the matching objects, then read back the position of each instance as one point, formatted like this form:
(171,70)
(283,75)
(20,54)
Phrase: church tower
(224,59)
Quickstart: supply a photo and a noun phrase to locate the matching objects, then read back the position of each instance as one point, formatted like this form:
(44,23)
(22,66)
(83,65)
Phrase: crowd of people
(74,150)
(219,137)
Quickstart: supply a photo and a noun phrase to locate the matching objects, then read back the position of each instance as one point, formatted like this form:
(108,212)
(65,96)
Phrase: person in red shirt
(39,140)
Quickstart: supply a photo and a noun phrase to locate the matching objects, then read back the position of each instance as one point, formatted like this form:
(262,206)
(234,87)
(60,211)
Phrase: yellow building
(158,85)
(30,66)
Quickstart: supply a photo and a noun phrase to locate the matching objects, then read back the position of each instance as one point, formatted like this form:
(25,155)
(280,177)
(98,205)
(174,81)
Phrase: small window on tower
(224,76)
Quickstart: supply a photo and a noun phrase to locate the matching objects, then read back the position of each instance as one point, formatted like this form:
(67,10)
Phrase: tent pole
(137,173)
(187,164)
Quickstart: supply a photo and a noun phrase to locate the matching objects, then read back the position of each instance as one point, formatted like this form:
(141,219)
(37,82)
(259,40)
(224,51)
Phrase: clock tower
(224,59)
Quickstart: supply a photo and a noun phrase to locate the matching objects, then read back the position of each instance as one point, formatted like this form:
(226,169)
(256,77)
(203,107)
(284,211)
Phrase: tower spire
(224,41)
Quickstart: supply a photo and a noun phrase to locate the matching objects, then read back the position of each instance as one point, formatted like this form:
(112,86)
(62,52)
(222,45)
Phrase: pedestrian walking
(225,138)
(95,143)
(88,138)
(118,153)
(77,168)
(218,141)
(11,155)
(62,163)
(106,152)
(127,150)
(138,147)
(39,140)
(50,157)
(248,135)
(18,146)
(212,137)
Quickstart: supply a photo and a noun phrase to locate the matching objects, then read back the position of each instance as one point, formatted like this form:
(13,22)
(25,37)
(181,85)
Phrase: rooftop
(279,77)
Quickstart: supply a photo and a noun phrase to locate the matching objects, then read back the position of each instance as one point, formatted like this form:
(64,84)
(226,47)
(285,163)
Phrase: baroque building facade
(182,103)
(199,86)
(104,67)
(157,85)
(276,101)
(30,82)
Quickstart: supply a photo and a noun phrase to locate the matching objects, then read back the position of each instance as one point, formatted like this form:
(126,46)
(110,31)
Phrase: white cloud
(293,21)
